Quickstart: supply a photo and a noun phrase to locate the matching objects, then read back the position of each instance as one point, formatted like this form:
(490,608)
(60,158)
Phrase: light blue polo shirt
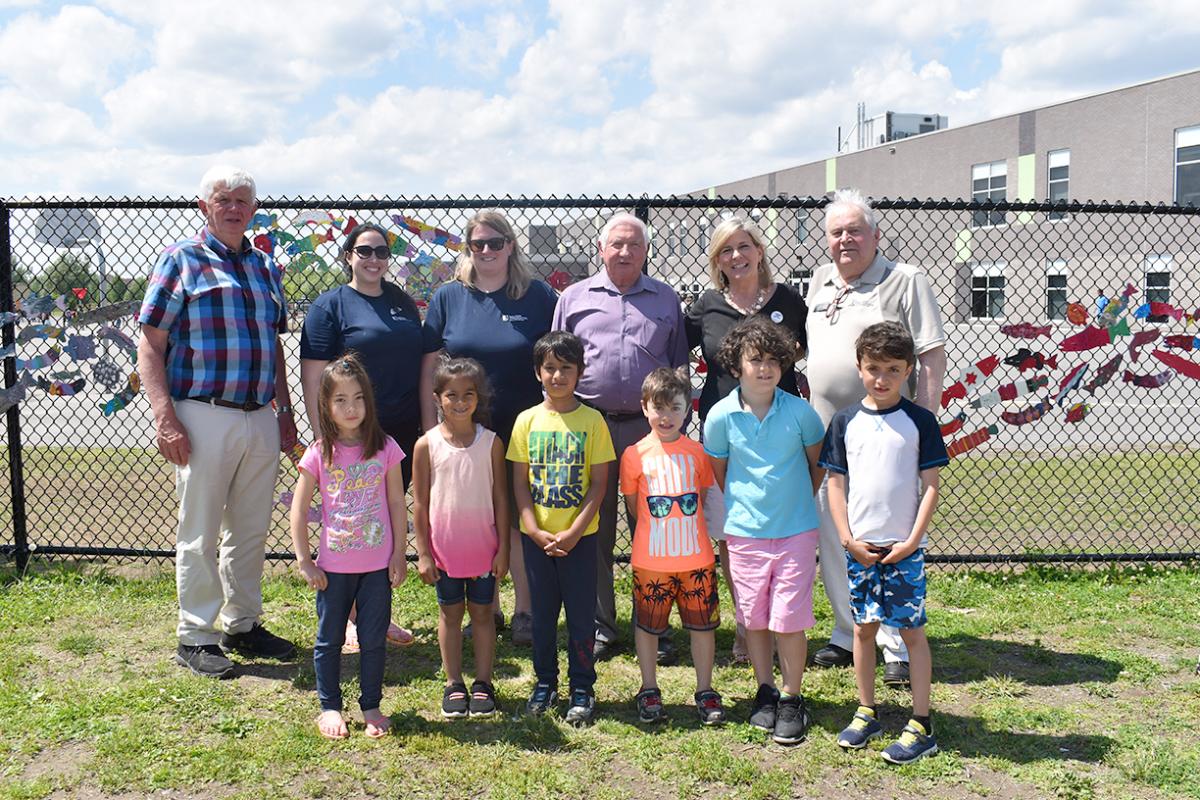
(768,489)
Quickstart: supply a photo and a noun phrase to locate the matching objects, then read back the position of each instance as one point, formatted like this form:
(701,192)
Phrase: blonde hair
(721,235)
(520,272)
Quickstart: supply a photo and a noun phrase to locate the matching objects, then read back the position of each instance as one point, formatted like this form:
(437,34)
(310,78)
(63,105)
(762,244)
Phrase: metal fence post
(20,541)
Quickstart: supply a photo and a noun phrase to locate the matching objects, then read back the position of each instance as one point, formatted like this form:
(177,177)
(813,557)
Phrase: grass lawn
(1047,684)
(992,503)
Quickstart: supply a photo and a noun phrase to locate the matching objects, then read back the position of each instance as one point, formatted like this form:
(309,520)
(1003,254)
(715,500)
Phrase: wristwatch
(284,408)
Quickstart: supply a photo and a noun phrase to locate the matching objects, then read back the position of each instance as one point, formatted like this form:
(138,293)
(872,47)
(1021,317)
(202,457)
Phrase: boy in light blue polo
(764,444)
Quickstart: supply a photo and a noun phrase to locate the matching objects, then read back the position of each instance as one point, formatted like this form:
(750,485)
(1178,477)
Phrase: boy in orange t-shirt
(664,477)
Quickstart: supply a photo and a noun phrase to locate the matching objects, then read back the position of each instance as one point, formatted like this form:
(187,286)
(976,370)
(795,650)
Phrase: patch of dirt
(63,761)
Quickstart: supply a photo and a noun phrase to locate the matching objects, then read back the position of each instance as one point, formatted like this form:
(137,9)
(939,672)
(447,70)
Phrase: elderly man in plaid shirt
(210,360)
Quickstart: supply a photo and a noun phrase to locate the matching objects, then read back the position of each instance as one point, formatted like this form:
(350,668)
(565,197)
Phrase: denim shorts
(452,591)
(893,594)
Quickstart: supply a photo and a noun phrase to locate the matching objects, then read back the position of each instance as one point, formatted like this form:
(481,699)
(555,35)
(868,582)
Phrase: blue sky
(563,97)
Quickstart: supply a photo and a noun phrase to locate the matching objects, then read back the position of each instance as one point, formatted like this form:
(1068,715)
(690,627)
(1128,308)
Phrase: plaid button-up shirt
(223,311)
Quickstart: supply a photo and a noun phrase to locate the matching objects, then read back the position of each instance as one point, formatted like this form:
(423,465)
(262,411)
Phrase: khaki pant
(837,588)
(225,495)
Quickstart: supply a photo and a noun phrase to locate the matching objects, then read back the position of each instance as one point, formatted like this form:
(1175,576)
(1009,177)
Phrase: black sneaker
(650,706)
(833,656)
(895,674)
(543,699)
(454,701)
(258,642)
(762,716)
(791,723)
(205,660)
(582,708)
(483,699)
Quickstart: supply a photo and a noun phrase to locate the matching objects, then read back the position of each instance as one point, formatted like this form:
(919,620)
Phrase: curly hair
(450,368)
(755,335)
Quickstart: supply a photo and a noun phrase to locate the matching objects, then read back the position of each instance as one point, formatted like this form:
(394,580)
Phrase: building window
(987,290)
(989,182)
(1058,170)
(1157,286)
(1187,166)
(543,240)
(1056,289)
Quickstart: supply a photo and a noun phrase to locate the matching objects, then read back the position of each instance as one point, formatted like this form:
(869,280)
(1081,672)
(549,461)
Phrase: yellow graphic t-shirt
(560,450)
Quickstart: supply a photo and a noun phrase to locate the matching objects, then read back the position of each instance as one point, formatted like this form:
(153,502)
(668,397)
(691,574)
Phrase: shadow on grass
(537,734)
(971,737)
(961,658)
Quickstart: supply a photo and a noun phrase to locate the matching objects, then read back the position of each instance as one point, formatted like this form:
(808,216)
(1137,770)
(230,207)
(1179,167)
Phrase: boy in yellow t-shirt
(561,451)
(664,477)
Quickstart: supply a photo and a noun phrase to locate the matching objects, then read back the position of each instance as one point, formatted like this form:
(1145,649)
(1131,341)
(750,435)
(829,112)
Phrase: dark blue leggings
(373,593)
(567,583)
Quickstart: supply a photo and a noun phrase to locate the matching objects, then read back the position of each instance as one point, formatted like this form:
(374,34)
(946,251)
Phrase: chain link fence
(1110,474)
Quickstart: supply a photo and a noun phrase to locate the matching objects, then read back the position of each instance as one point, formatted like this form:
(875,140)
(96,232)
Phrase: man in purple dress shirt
(630,324)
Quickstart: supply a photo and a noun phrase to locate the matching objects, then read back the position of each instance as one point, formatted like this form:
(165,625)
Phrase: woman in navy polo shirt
(380,322)
(493,312)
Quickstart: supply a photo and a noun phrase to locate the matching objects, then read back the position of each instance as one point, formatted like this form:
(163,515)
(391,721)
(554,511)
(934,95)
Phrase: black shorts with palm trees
(693,590)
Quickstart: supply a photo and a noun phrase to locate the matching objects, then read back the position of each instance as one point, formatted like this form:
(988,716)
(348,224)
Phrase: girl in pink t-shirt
(460,501)
(359,560)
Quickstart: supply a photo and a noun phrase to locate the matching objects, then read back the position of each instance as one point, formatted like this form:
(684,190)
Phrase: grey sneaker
(522,629)
(205,660)
(861,730)
(542,700)
(582,708)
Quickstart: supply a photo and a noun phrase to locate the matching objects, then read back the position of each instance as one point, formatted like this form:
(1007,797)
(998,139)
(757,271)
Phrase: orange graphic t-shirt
(669,481)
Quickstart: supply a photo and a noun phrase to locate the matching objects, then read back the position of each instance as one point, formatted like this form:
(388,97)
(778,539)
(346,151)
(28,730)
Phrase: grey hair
(228,177)
(623,218)
(853,198)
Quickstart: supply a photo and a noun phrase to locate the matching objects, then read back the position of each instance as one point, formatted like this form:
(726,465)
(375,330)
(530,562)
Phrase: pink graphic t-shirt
(356,526)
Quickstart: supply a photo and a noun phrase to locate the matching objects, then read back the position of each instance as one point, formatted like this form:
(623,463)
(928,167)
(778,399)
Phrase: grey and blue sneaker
(583,706)
(914,743)
(543,700)
(862,729)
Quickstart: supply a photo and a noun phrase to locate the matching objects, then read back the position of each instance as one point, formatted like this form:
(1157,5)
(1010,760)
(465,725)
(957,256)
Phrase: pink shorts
(774,581)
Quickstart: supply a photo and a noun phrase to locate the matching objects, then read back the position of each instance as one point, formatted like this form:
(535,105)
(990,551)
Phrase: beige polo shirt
(887,291)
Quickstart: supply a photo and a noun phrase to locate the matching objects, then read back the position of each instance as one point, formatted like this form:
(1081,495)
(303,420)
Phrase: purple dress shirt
(625,337)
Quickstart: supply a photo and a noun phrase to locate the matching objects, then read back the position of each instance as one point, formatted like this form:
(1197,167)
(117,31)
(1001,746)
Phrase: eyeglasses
(834,307)
(495,244)
(660,504)
(366,251)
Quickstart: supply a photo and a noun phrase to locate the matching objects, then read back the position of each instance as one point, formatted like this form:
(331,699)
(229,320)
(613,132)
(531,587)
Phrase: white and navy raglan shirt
(882,453)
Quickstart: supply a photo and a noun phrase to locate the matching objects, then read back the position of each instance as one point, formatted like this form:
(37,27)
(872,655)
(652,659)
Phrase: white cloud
(35,124)
(481,49)
(66,56)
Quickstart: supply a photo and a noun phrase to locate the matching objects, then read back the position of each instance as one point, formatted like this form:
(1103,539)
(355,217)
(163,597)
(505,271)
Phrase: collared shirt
(768,488)
(223,312)
(838,312)
(625,337)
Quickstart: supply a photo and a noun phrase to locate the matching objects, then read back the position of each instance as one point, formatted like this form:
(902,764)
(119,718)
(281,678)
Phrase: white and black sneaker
(582,708)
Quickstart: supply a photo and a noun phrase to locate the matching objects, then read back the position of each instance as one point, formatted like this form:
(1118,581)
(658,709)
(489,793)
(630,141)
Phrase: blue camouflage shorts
(893,594)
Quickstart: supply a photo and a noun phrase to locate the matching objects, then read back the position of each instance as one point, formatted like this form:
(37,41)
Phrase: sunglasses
(366,251)
(660,504)
(495,244)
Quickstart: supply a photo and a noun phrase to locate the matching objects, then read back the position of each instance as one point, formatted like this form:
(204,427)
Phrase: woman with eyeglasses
(742,288)
(380,322)
(494,311)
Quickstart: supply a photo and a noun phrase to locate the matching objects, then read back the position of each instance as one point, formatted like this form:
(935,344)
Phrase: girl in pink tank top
(460,501)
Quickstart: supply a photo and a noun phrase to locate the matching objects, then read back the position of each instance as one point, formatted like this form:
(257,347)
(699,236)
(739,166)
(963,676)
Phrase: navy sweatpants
(567,583)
